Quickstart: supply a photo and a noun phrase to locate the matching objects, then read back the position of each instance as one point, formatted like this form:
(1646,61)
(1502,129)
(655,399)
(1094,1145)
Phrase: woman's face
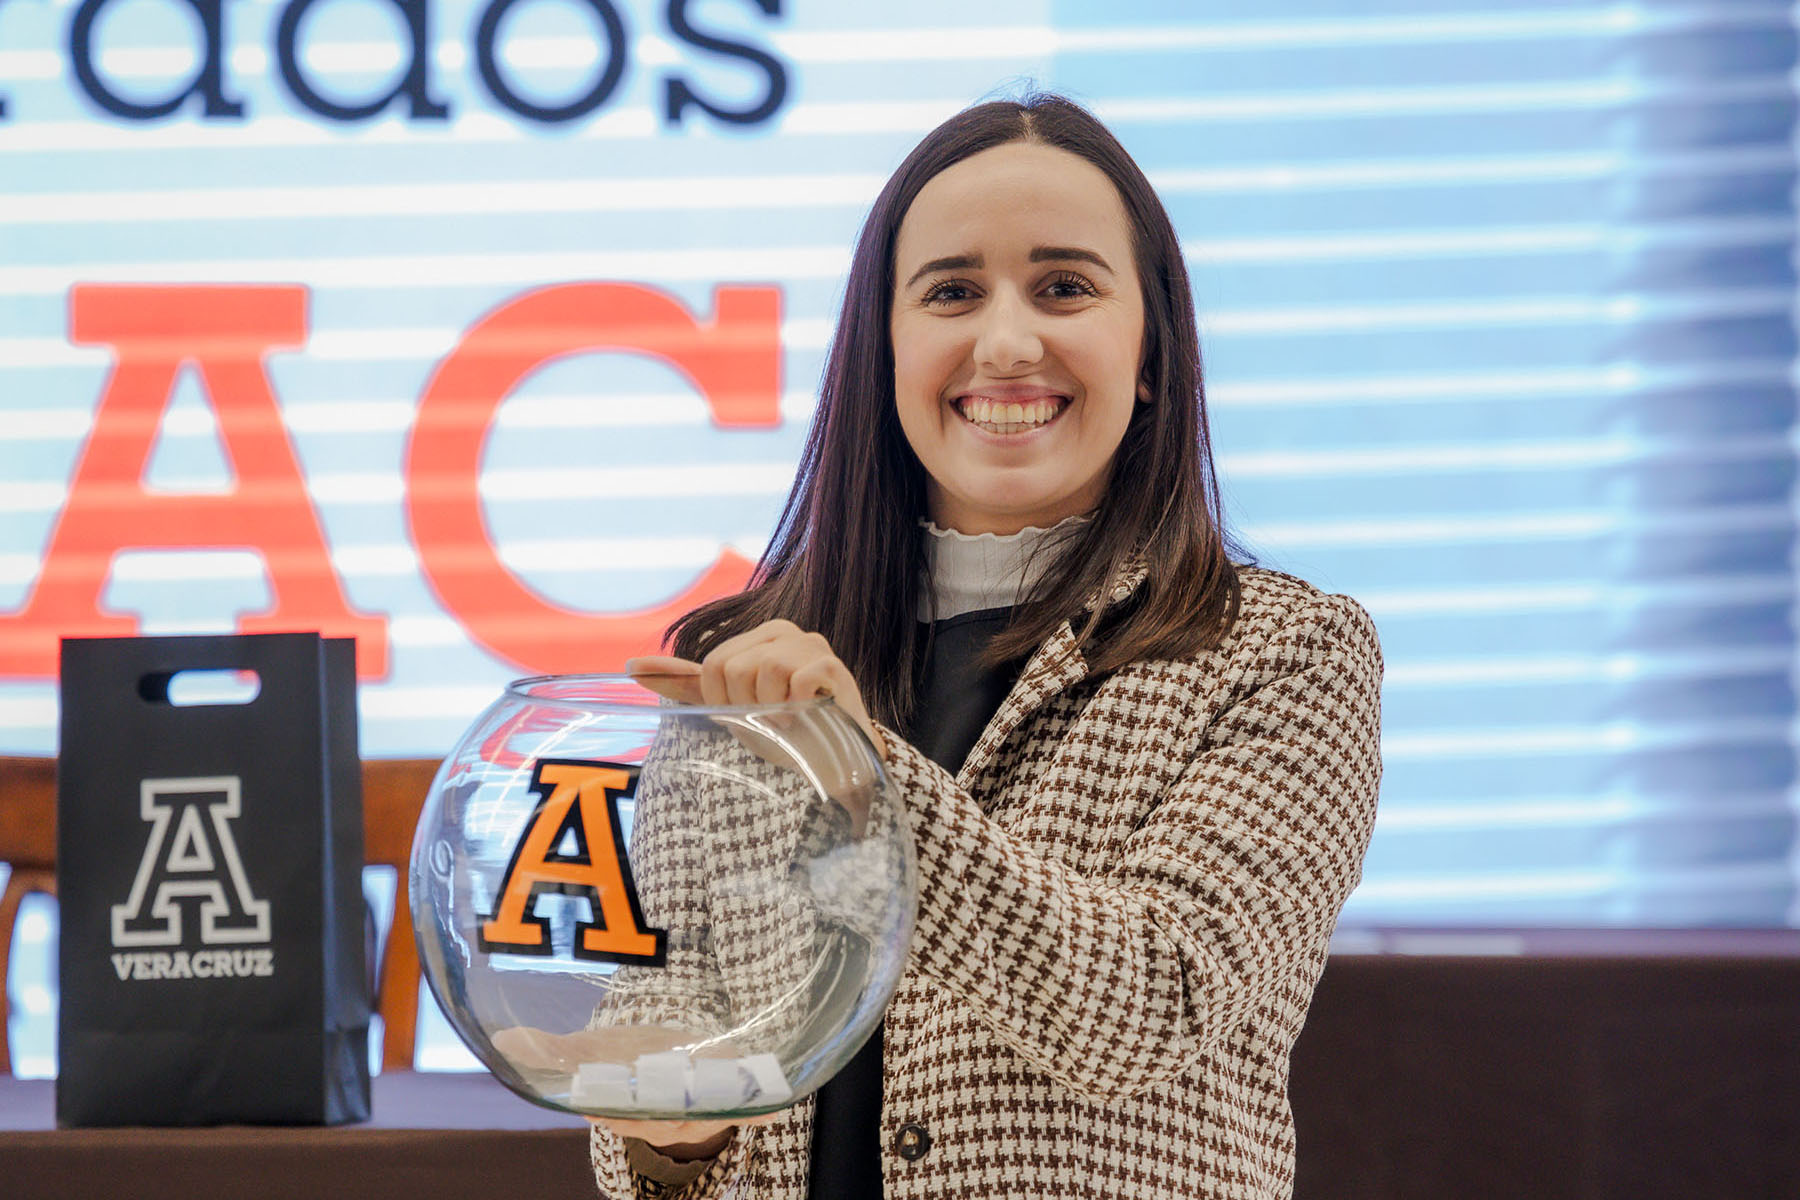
(1018,329)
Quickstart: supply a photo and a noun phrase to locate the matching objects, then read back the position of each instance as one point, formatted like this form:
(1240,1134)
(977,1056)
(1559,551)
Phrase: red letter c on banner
(734,360)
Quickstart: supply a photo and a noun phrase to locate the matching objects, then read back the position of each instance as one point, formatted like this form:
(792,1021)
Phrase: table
(1553,1065)
(432,1136)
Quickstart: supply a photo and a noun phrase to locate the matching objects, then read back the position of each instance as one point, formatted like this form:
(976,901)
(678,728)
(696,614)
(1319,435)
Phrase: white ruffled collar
(971,572)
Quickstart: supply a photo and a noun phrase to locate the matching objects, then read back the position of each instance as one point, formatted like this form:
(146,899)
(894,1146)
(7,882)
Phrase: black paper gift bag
(209,871)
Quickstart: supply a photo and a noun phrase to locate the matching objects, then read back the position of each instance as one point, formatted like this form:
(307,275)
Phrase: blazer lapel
(1056,666)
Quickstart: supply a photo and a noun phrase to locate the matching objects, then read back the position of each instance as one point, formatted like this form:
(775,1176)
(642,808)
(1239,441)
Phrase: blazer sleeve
(1219,905)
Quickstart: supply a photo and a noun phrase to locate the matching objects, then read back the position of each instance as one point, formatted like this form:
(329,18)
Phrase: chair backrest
(393,793)
(28,845)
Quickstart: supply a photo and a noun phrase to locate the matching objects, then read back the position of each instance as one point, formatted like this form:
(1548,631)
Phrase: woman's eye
(948,292)
(1069,287)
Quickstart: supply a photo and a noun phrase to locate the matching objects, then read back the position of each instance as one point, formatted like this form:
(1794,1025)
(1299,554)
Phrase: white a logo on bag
(190,862)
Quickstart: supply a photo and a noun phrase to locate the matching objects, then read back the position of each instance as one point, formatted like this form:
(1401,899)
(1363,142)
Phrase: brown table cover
(1619,1076)
(432,1136)
(1635,1068)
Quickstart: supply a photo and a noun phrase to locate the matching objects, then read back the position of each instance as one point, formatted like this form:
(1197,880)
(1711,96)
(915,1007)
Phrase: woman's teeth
(1004,416)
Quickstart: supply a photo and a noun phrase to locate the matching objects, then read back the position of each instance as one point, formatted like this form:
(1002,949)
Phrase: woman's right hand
(683,1141)
(773,663)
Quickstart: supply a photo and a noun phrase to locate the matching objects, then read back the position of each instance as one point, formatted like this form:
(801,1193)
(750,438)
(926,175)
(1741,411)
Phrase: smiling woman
(1140,776)
(1049,168)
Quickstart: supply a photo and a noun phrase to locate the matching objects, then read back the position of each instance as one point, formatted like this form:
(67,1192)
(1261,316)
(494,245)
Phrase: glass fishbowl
(629,907)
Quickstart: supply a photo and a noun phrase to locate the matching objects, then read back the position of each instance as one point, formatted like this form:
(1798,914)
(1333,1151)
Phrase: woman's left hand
(773,663)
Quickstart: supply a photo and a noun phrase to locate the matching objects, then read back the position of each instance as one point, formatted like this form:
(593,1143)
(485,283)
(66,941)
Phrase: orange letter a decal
(579,799)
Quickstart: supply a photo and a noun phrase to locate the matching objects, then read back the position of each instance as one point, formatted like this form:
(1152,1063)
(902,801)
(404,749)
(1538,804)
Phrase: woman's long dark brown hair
(847,558)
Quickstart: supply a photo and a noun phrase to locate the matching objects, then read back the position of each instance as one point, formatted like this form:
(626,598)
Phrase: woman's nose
(1008,338)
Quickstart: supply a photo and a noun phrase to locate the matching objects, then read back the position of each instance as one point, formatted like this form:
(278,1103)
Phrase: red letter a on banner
(226,331)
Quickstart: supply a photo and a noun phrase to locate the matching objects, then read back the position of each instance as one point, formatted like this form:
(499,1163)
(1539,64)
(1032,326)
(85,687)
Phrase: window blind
(1498,310)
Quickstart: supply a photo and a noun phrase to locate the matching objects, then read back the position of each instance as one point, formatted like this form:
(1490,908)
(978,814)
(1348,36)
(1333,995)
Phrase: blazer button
(912,1142)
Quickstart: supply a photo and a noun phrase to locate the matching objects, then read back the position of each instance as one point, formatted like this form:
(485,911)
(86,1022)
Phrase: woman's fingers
(771,664)
(681,1140)
(660,664)
(728,672)
(771,684)
(789,667)
(819,677)
(676,678)
(758,673)
(754,668)
(733,678)
(684,1137)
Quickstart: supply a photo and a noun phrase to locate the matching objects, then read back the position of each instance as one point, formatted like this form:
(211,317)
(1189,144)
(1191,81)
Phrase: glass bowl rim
(518,689)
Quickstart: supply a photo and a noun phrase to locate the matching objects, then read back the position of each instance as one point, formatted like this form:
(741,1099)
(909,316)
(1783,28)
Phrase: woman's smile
(1007,413)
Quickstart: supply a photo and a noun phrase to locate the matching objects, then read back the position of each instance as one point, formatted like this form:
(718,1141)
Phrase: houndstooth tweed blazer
(1125,899)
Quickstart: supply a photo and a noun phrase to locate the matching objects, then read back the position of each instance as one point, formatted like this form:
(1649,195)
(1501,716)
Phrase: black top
(958,695)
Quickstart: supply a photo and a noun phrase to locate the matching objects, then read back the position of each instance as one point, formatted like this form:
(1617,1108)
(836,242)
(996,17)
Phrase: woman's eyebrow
(1069,254)
(967,262)
(955,262)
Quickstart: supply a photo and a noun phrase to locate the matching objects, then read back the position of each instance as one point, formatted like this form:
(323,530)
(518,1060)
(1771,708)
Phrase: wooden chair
(393,793)
(28,844)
